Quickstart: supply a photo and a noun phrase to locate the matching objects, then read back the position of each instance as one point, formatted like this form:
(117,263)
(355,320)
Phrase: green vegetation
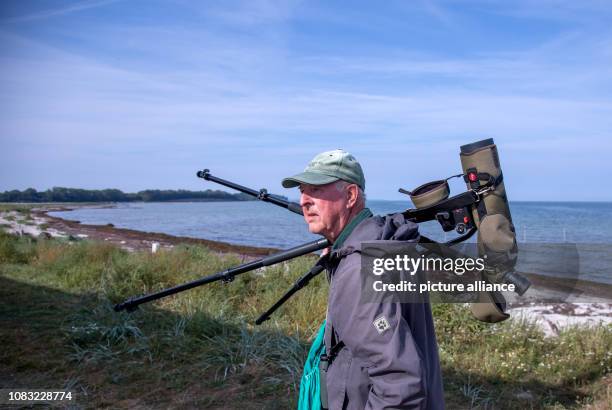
(60,194)
(200,349)
(20,208)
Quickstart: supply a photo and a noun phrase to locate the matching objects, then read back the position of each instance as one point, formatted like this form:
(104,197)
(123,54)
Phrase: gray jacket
(394,366)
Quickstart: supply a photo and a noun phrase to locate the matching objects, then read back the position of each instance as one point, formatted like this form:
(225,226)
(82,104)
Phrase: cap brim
(311,178)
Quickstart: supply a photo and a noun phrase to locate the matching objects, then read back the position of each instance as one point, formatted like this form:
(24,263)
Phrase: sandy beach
(551,317)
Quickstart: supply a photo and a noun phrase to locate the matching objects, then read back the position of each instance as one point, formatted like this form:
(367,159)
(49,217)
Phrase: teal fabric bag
(310,391)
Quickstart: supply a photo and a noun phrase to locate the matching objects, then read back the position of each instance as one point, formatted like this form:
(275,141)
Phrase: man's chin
(315,229)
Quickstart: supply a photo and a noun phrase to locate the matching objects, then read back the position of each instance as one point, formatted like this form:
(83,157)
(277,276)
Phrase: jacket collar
(363,214)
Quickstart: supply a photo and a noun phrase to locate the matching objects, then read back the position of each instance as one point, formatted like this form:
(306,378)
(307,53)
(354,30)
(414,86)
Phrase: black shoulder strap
(336,345)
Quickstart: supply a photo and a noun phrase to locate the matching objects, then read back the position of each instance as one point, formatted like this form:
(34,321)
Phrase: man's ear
(352,192)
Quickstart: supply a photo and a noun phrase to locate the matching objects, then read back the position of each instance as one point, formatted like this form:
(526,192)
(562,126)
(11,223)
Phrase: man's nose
(305,200)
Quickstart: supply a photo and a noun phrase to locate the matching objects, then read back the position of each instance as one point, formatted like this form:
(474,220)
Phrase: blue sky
(142,94)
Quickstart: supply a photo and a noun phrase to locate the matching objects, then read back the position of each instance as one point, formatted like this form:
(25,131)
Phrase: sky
(142,94)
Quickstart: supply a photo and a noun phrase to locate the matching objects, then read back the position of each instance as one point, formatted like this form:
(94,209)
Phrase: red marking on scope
(473,177)
(466,219)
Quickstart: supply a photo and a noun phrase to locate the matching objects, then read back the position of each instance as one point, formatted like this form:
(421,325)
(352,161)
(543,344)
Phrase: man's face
(325,209)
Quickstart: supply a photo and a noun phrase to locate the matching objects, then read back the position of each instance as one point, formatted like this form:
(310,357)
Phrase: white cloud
(60,11)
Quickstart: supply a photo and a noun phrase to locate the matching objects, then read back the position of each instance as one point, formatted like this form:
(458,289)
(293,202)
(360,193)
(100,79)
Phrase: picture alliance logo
(405,263)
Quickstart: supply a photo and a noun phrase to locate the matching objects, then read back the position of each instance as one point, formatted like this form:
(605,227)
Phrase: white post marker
(154,247)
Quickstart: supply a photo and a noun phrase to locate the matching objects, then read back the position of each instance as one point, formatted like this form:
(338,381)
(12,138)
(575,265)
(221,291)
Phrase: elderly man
(377,355)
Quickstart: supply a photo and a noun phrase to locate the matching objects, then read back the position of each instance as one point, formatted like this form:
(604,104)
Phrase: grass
(26,207)
(19,207)
(21,213)
(200,349)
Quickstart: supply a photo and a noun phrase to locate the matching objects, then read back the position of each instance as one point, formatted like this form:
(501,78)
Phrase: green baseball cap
(328,167)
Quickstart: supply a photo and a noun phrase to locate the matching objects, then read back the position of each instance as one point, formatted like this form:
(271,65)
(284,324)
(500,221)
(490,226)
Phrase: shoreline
(132,240)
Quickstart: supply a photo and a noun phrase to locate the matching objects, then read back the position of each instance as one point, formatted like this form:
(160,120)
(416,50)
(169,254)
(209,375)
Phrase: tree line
(61,194)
